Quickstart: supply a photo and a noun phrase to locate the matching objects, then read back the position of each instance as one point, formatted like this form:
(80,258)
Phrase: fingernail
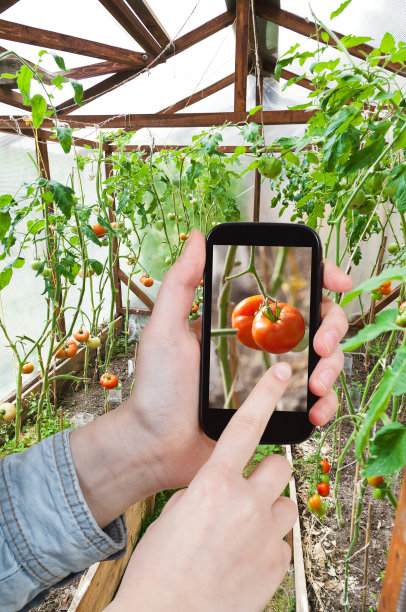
(282,371)
(330,340)
(326,379)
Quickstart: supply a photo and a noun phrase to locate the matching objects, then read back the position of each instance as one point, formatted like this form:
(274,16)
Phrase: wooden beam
(200,95)
(147,149)
(241,54)
(308,28)
(145,299)
(204,31)
(136,311)
(97,90)
(95,70)
(150,21)
(53,40)
(130,121)
(131,24)
(8,96)
(395,572)
(6,4)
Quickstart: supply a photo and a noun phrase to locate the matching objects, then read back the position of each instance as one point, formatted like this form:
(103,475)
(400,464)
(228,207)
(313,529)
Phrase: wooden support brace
(388,299)
(241,54)
(145,299)
(199,95)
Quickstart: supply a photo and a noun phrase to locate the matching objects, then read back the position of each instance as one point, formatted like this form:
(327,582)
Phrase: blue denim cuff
(46,529)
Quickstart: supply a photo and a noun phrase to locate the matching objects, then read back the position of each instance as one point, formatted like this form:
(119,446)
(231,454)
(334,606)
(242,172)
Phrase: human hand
(167,377)
(218,545)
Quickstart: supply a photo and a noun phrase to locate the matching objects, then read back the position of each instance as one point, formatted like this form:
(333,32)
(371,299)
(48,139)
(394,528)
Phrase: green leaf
(78,91)
(291,157)
(58,81)
(95,265)
(24,76)
(7,75)
(239,150)
(364,157)
(387,43)
(211,142)
(89,233)
(385,321)
(62,194)
(5,200)
(399,364)
(38,109)
(354,41)
(386,95)
(59,61)
(325,36)
(5,277)
(340,9)
(255,109)
(64,135)
(19,262)
(396,273)
(5,222)
(387,453)
(376,409)
(194,171)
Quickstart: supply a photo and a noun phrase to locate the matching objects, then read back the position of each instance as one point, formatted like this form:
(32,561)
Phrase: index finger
(243,433)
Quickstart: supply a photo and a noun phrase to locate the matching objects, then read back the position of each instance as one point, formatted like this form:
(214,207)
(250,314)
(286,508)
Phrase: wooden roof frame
(122,65)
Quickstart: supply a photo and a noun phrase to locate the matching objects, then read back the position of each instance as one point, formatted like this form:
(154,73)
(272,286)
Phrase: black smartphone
(261,304)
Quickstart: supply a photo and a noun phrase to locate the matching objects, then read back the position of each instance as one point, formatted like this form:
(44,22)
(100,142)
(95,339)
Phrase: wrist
(114,462)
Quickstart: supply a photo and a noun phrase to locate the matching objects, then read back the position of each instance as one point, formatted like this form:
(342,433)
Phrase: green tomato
(105,242)
(375,295)
(171,216)
(159,225)
(358,199)
(269,166)
(120,225)
(390,190)
(378,493)
(95,209)
(46,272)
(377,180)
(368,206)
(401,319)
(393,248)
(36,264)
(110,200)
(179,219)
(74,229)
(168,261)
(325,478)
(93,342)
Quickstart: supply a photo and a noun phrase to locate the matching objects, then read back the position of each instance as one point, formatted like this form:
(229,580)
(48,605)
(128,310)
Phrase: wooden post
(44,168)
(241,54)
(354,502)
(259,88)
(396,565)
(116,261)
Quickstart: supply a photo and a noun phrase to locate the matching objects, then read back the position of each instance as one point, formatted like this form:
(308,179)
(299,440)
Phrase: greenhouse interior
(205,407)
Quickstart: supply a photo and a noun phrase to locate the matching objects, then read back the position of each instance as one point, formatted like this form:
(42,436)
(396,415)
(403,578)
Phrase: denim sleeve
(46,529)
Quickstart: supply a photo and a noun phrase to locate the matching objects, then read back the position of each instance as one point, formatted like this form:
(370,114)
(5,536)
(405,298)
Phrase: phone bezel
(283,427)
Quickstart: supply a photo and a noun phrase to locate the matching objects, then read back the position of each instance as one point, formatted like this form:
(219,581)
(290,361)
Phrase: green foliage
(387,453)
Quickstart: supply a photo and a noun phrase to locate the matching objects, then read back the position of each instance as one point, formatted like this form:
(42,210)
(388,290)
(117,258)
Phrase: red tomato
(316,503)
(323,489)
(148,282)
(108,381)
(81,335)
(278,336)
(374,481)
(99,230)
(324,466)
(27,368)
(67,349)
(183,236)
(243,317)
(195,307)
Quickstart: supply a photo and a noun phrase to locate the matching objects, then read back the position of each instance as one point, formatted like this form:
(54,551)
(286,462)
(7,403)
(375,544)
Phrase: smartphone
(243,333)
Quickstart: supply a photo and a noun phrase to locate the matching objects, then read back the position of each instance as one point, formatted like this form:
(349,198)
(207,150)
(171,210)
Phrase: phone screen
(248,336)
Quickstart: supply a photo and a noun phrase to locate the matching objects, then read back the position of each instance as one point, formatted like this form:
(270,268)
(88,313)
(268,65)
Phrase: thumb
(176,294)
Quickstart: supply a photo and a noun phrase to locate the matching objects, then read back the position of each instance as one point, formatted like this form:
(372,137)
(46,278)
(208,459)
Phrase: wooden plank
(131,24)
(395,571)
(199,95)
(47,75)
(114,247)
(99,585)
(302,603)
(65,366)
(150,21)
(63,42)
(388,299)
(241,54)
(138,121)
(95,70)
(8,96)
(109,84)
(307,28)
(145,299)
(136,311)
(5,4)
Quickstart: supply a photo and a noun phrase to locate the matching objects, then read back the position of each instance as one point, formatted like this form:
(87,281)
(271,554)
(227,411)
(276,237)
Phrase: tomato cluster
(384,289)
(401,318)
(379,486)
(146,280)
(315,503)
(276,328)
